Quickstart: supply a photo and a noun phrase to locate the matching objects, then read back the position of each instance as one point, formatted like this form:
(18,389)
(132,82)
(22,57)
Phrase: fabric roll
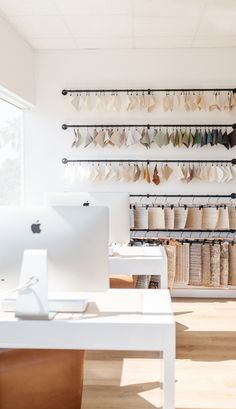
(206,265)
(195,271)
(171,263)
(215,265)
(142,281)
(180,217)
(140,218)
(182,264)
(232,264)
(223,219)
(169,217)
(232,217)
(156,218)
(224,264)
(209,218)
(186,263)
(131,217)
(194,219)
(178,271)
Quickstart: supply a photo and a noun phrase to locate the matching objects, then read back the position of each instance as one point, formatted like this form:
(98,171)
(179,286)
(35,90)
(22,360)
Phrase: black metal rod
(185,240)
(187,230)
(65,161)
(66,126)
(232,196)
(145,90)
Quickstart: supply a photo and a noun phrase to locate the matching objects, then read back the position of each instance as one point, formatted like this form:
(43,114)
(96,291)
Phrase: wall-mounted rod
(232,196)
(188,230)
(190,240)
(145,90)
(148,126)
(65,161)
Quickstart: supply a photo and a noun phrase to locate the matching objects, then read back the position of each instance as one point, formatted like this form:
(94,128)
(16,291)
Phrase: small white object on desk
(139,260)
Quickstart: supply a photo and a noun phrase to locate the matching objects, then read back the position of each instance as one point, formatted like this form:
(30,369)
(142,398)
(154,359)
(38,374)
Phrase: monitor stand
(32,293)
(32,301)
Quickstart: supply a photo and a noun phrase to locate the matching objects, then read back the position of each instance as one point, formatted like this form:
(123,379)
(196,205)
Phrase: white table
(127,263)
(140,320)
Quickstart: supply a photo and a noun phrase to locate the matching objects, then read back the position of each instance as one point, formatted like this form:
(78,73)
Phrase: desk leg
(164,281)
(164,276)
(169,371)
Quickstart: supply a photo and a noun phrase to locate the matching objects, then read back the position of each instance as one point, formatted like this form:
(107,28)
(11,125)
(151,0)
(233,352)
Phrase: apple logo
(35,227)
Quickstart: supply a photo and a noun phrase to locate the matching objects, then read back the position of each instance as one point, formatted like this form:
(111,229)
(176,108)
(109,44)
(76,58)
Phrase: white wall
(46,143)
(17,64)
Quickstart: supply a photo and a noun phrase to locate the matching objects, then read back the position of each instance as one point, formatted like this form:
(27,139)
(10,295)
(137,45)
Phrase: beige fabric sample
(232,264)
(194,219)
(140,218)
(156,218)
(180,217)
(206,265)
(147,174)
(215,265)
(195,273)
(232,217)
(209,218)
(171,262)
(224,263)
(169,217)
(223,219)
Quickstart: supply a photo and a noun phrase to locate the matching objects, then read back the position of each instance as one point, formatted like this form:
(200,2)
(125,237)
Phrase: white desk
(141,265)
(140,320)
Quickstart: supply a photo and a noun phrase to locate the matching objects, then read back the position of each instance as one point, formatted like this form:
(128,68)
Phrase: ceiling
(96,24)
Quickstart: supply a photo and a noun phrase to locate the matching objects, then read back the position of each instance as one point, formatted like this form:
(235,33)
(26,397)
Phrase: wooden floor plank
(205,364)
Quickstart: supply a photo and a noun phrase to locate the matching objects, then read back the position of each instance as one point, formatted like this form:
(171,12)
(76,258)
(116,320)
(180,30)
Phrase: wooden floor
(205,365)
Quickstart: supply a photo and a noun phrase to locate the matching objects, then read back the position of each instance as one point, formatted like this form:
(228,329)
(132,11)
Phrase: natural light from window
(11,154)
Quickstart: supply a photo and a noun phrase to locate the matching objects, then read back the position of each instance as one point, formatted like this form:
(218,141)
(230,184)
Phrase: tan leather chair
(41,379)
(122,281)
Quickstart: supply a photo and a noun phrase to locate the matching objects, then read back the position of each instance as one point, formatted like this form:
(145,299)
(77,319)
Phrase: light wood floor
(205,365)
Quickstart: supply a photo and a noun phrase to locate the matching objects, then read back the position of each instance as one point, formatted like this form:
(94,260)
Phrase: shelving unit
(154,234)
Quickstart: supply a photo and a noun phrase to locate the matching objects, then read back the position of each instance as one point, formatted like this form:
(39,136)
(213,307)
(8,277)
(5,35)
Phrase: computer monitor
(76,240)
(117,202)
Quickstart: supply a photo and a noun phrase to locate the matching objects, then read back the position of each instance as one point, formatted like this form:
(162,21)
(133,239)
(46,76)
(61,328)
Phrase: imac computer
(76,241)
(117,202)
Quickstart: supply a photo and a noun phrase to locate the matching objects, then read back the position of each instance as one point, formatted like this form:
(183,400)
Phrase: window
(11,155)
